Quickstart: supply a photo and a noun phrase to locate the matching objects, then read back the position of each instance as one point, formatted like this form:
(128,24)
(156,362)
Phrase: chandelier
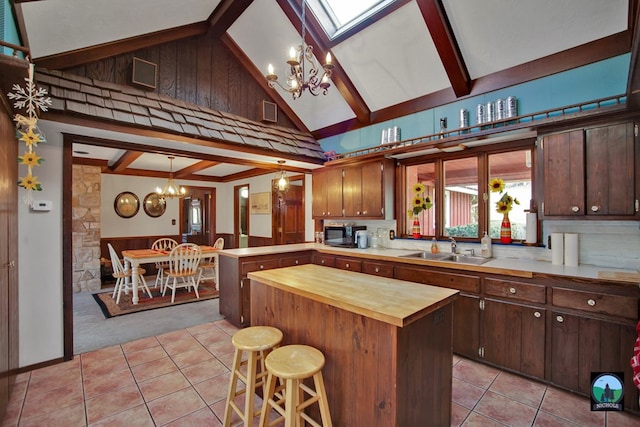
(281,182)
(171,189)
(301,61)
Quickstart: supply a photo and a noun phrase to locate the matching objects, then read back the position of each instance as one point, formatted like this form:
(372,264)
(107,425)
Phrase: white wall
(40,261)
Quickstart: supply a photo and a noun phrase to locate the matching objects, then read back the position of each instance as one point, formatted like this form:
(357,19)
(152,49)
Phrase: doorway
(197,216)
(288,213)
(241,215)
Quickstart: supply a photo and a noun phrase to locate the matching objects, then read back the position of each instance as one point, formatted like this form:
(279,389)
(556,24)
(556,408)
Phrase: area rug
(109,308)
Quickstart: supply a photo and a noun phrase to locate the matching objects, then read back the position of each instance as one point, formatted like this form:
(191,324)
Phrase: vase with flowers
(419,203)
(503,206)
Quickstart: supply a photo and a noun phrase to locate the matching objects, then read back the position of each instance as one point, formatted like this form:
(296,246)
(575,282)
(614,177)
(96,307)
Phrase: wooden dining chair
(184,264)
(208,265)
(120,274)
(163,244)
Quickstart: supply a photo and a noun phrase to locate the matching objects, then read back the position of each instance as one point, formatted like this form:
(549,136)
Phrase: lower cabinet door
(514,336)
(466,328)
(582,345)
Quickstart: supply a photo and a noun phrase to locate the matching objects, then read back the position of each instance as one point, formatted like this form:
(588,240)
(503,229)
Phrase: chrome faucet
(454,246)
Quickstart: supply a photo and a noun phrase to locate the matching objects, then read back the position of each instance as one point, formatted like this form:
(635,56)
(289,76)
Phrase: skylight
(338,16)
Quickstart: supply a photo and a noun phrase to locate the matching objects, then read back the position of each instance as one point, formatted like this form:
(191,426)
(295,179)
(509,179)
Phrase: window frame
(482,153)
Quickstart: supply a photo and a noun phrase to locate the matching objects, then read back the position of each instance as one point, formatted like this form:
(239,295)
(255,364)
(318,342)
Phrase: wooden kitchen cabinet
(362,190)
(591,173)
(327,193)
(513,325)
(235,289)
(382,269)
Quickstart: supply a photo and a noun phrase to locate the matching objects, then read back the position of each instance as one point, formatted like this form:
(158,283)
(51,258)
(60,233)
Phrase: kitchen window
(458,186)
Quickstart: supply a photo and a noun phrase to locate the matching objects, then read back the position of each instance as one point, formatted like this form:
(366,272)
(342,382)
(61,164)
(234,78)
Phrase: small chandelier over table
(171,189)
(281,181)
(303,69)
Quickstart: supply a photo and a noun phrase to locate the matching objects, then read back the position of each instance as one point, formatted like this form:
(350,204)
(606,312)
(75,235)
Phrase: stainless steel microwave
(342,235)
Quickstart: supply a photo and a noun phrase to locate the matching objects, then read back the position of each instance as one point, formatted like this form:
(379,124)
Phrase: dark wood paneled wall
(8,257)
(199,70)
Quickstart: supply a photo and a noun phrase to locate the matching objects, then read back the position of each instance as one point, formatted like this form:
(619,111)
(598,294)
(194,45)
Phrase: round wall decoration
(126,204)
(154,205)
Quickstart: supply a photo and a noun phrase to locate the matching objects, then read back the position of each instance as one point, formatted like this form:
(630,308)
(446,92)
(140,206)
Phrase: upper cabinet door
(610,170)
(564,179)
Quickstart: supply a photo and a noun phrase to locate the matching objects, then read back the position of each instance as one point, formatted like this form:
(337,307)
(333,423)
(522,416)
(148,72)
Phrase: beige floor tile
(458,414)
(138,345)
(465,394)
(475,373)
(145,356)
(109,404)
(211,337)
(622,419)
(153,369)
(226,326)
(203,328)
(571,407)
(106,366)
(174,406)
(191,357)
(68,416)
(214,389)
(518,388)
(202,418)
(204,370)
(39,404)
(181,345)
(476,420)
(504,410)
(544,419)
(173,336)
(220,348)
(103,353)
(138,416)
(108,383)
(163,385)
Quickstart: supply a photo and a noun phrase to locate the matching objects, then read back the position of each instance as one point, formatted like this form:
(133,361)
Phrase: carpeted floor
(92,331)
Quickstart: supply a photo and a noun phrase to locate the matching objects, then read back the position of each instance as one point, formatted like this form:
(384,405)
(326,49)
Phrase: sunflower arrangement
(419,202)
(505,204)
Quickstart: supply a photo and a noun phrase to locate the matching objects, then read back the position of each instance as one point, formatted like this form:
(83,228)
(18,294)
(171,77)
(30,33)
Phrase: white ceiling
(391,61)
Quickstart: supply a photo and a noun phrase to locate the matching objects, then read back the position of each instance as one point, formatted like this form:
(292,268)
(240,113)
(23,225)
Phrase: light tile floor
(180,379)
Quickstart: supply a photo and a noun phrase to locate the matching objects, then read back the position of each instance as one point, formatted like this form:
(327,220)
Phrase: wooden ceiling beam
(201,165)
(225,15)
(74,58)
(245,174)
(439,27)
(125,160)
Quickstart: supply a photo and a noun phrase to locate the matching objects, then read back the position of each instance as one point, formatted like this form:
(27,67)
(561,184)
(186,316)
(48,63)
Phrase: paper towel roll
(571,249)
(557,248)
(532,228)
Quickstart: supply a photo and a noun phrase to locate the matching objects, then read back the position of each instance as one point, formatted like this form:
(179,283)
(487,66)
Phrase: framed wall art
(260,203)
(154,205)
(126,204)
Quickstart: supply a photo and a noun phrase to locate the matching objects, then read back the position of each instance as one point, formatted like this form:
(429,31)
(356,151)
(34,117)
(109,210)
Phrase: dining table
(133,258)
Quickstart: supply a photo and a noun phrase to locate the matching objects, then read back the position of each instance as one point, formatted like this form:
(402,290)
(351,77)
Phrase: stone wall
(86,228)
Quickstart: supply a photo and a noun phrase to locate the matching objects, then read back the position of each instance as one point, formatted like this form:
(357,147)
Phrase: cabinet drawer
(349,264)
(296,260)
(248,267)
(378,269)
(515,290)
(462,282)
(614,305)
(326,260)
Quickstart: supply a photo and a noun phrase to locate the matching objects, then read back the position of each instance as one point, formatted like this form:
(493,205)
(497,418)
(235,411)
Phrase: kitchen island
(387,342)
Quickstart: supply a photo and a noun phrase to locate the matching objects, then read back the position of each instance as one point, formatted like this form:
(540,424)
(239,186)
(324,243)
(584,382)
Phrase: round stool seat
(295,361)
(256,338)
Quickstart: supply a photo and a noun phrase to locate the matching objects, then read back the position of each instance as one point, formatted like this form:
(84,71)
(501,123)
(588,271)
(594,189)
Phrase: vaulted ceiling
(414,55)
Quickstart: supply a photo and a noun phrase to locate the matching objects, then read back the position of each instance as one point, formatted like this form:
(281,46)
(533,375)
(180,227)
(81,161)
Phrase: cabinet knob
(595,208)
(297,262)
(377,270)
(560,319)
(512,290)
(347,265)
(261,267)
(575,209)
(322,262)
(591,302)
(536,314)
(364,212)
(358,213)
(324,213)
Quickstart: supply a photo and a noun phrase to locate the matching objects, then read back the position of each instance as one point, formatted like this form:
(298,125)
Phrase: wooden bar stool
(292,364)
(256,342)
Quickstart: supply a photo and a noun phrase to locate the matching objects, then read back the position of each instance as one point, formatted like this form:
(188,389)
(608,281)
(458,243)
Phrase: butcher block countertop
(507,266)
(389,300)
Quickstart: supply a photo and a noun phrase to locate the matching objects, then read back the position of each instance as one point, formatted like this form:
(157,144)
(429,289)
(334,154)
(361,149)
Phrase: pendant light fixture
(171,189)
(303,69)
(281,181)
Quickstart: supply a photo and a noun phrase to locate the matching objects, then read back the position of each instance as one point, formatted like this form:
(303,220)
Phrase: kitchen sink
(460,258)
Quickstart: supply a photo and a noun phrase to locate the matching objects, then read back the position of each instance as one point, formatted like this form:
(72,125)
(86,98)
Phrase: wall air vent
(144,73)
